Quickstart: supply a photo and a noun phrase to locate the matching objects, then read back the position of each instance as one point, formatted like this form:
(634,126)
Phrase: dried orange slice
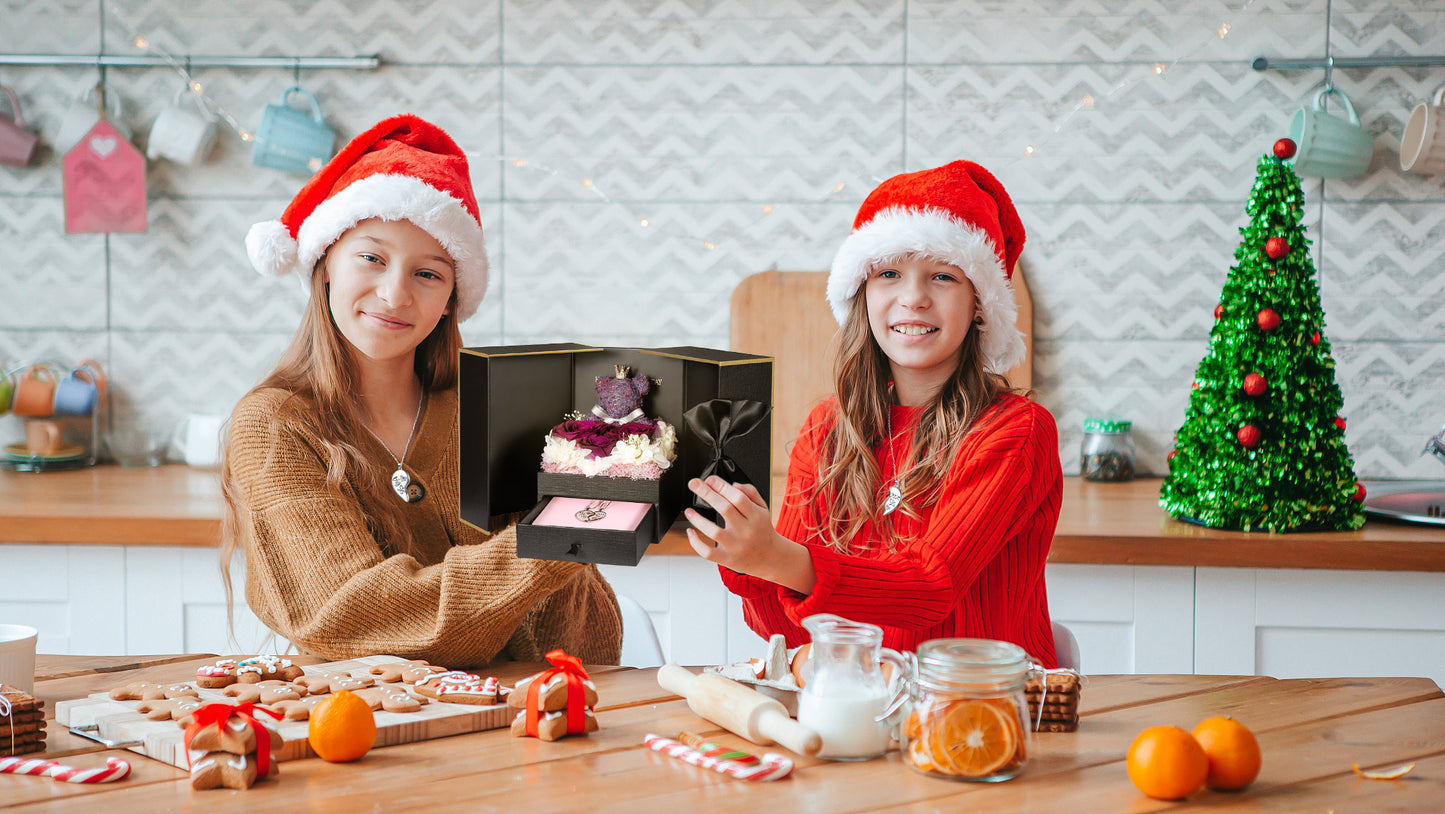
(972,738)
(918,753)
(1382,774)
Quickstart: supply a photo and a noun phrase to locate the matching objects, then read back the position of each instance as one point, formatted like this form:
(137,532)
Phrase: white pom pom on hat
(957,214)
(403,168)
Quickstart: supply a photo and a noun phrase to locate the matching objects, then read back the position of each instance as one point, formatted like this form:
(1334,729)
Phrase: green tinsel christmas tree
(1263,442)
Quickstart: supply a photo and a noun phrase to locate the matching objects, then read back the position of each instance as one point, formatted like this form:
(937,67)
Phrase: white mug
(17,658)
(84,112)
(198,438)
(184,132)
(1422,145)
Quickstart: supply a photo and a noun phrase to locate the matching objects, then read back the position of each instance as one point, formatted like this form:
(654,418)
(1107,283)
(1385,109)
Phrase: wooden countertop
(1100,523)
(1310,732)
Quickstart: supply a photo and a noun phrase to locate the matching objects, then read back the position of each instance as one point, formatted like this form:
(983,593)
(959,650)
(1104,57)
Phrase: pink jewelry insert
(620,515)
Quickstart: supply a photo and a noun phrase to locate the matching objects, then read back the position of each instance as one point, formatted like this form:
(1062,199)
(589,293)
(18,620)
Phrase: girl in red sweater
(923,497)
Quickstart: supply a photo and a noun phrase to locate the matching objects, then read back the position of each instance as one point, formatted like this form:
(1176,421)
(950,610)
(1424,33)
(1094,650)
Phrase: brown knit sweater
(316,575)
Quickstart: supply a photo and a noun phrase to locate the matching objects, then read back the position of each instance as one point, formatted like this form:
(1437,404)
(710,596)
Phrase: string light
(1223,29)
(1159,68)
(1029,150)
(767,209)
(645,223)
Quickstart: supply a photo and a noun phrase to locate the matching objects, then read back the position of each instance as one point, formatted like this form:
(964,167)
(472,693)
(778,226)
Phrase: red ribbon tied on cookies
(217,714)
(571,668)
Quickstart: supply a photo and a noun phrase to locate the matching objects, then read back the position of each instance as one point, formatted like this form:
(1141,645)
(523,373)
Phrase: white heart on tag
(103,146)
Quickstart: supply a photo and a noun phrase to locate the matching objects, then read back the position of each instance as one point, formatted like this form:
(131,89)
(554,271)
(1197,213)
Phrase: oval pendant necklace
(400,480)
(895,490)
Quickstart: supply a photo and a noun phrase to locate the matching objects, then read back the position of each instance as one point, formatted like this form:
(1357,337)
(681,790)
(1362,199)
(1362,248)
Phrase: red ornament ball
(1254,384)
(1267,319)
(1359,492)
(1276,247)
(1219,310)
(1340,421)
(1249,436)
(1284,148)
(1315,340)
(1173,453)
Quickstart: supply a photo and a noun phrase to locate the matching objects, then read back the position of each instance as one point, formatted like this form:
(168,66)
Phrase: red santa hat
(957,214)
(403,168)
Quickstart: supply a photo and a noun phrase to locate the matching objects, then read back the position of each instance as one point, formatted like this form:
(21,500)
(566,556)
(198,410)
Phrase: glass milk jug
(846,698)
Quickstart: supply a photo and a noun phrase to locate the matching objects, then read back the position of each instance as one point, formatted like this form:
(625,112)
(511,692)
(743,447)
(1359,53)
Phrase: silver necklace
(593,511)
(399,479)
(895,491)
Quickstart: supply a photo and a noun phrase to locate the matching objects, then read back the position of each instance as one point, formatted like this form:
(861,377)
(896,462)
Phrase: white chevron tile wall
(745,133)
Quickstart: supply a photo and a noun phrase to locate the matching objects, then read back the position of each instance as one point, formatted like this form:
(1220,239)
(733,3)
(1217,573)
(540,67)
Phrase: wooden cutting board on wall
(118,721)
(785,315)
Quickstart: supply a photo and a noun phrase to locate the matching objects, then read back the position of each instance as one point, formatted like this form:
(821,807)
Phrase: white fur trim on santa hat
(400,197)
(896,232)
(271,249)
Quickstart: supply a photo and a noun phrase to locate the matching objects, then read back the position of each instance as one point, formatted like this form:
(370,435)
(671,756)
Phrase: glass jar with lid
(969,716)
(1107,453)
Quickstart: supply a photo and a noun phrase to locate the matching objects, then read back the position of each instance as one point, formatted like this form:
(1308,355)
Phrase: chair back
(640,647)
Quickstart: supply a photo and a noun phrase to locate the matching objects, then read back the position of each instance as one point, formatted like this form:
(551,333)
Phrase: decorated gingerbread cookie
(170,709)
(143,691)
(409,672)
(551,725)
(227,770)
(265,692)
(315,683)
(218,675)
(264,668)
(458,687)
(298,709)
(236,736)
(390,699)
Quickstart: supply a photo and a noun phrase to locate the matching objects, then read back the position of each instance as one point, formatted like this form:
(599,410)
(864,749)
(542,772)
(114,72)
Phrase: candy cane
(771,766)
(114,769)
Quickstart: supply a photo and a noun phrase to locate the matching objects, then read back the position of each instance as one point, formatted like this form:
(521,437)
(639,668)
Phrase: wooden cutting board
(162,740)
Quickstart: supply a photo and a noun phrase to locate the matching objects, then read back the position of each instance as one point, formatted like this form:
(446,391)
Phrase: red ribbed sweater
(972,565)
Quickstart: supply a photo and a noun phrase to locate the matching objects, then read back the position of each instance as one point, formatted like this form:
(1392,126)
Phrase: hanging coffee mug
(1422,145)
(35,392)
(1330,146)
(76,394)
(184,132)
(17,142)
(291,140)
(84,112)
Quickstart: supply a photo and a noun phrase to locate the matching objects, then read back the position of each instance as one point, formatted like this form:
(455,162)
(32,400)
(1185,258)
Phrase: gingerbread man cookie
(551,725)
(390,699)
(170,709)
(265,668)
(265,692)
(409,672)
(553,694)
(298,709)
(227,770)
(342,681)
(458,687)
(315,683)
(144,691)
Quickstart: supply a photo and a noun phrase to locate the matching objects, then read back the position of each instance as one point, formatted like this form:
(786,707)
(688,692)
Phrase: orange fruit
(342,728)
(1167,763)
(1232,751)
(971,738)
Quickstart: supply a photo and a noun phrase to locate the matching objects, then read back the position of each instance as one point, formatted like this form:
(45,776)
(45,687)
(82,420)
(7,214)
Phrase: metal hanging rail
(1265,63)
(353,63)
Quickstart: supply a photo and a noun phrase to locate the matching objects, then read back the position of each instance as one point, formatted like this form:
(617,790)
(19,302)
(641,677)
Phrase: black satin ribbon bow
(718,422)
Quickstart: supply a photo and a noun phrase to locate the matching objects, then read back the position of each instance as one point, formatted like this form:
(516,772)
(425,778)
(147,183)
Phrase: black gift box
(511,396)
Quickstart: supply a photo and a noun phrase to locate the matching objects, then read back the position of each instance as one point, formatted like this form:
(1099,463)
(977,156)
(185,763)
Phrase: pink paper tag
(105,183)
(617,515)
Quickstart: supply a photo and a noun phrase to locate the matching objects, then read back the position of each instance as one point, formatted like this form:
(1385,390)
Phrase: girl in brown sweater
(340,468)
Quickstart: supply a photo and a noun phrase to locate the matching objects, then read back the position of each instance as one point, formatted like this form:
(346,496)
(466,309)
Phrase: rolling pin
(728,704)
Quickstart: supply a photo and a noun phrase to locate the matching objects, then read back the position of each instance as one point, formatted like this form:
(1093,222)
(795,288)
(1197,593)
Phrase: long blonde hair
(849,481)
(319,375)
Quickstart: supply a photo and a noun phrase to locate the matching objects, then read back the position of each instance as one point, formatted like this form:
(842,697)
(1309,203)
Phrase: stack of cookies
(224,755)
(552,709)
(22,729)
(1057,694)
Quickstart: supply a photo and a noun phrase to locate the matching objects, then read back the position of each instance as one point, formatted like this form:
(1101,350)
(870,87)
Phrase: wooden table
(1099,523)
(1311,732)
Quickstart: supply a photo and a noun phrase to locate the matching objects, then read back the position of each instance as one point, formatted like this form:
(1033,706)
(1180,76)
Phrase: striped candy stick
(114,769)
(714,750)
(770,766)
